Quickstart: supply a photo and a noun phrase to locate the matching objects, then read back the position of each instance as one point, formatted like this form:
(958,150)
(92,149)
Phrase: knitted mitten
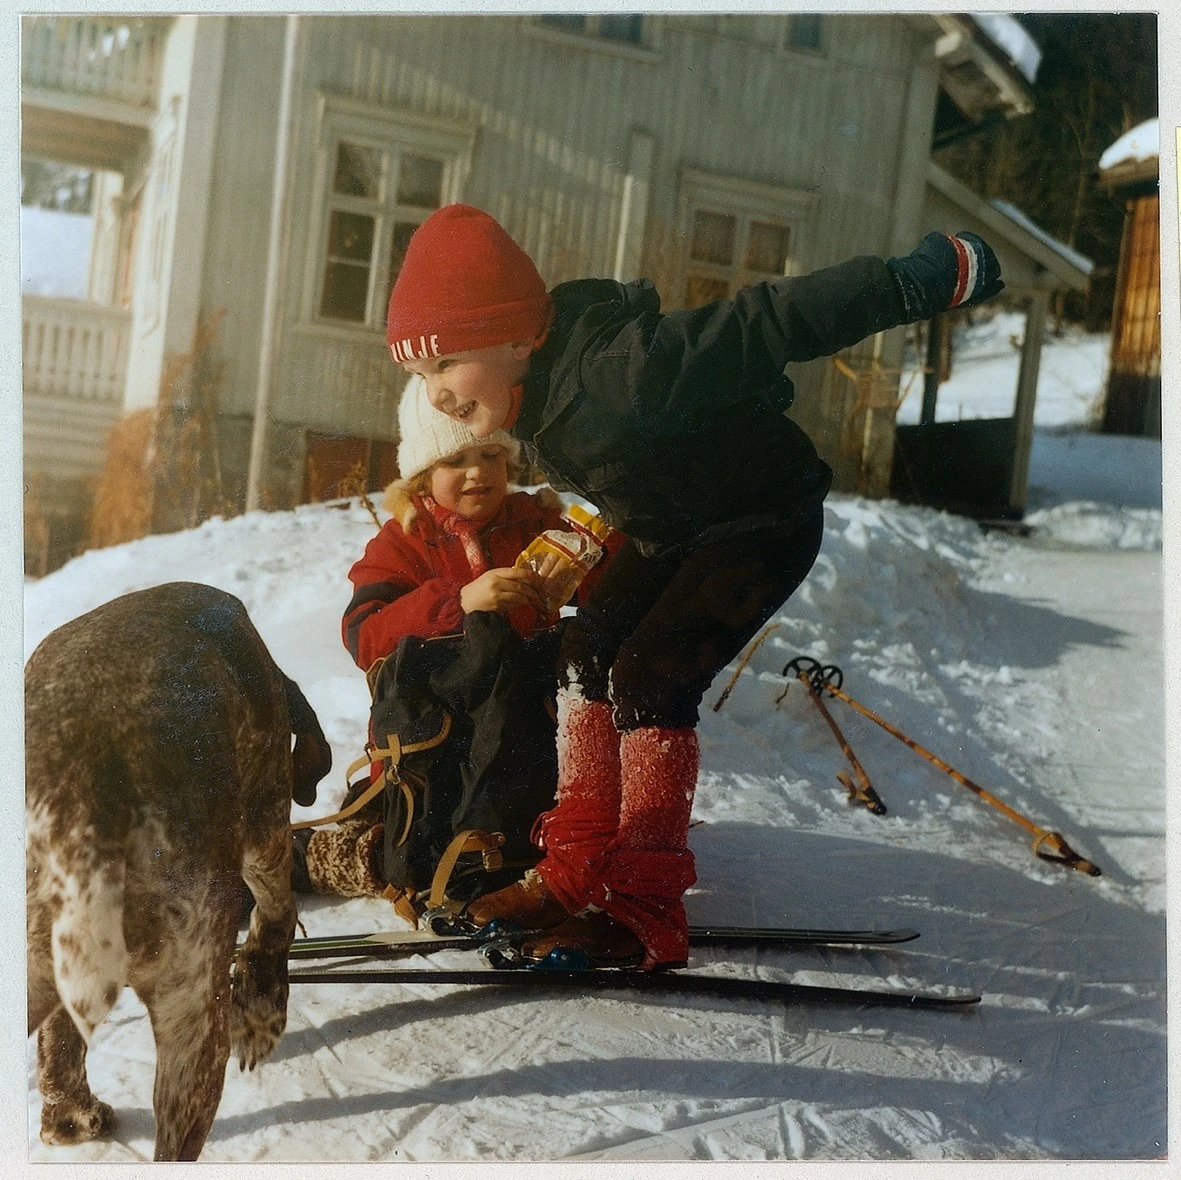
(943,272)
(340,860)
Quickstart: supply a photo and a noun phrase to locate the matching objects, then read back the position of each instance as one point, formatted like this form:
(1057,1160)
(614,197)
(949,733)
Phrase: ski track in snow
(1032,665)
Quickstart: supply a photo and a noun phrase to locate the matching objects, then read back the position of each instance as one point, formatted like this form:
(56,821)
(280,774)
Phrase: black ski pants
(656,630)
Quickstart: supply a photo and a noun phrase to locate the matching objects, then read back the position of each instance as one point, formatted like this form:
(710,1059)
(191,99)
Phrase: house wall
(554,120)
(174,211)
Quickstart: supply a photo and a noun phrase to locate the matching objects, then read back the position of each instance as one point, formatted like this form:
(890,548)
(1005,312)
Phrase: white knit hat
(428,435)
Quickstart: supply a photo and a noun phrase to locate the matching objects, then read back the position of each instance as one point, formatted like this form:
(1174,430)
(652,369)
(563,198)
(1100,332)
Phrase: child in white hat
(447,556)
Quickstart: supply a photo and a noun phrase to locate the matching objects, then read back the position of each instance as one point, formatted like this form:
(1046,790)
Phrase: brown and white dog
(159,775)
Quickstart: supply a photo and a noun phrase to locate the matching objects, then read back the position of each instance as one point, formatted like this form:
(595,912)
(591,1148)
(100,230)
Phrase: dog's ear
(311,760)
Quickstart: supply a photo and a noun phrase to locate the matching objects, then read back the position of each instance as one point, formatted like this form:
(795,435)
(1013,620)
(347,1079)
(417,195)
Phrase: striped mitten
(943,273)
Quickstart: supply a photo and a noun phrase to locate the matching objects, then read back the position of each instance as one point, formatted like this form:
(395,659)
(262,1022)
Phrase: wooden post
(1031,355)
(936,330)
(633,212)
(270,314)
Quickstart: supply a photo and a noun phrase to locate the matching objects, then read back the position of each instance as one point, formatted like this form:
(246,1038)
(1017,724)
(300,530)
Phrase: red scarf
(467,531)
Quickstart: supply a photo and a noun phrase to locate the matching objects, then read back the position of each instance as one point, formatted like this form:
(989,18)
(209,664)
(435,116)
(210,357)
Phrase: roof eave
(1060,267)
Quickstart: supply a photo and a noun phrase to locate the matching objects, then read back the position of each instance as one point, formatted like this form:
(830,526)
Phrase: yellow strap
(393,751)
(429,743)
(372,673)
(409,796)
(471,840)
(374,789)
(403,902)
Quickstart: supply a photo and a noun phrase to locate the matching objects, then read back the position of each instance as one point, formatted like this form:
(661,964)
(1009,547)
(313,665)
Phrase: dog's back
(159,771)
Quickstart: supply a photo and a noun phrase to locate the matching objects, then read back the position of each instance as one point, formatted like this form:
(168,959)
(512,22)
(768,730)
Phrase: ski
(402,943)
(677,982)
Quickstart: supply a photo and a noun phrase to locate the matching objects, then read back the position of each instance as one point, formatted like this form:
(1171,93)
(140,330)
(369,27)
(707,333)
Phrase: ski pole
(861,792)
(1047,845)
(750,651)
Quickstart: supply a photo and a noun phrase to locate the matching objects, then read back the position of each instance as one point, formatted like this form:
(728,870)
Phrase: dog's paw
(258,1005)
(64,1123)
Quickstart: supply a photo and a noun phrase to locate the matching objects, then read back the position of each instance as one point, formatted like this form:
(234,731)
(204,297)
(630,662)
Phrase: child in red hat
(673,426)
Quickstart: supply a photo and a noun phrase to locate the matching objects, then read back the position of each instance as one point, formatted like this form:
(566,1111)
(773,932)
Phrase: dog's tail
(90,959)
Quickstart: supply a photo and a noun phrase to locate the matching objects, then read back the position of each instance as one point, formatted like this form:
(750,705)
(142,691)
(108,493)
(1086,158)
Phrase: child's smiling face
(474,387)
(472,482)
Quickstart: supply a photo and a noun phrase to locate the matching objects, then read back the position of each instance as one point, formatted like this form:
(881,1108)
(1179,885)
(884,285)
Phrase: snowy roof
(1029,225)
(1141,143)
(1008,34)
(1039,259)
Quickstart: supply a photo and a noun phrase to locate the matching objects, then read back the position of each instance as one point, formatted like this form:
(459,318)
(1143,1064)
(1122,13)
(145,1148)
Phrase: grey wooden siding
(553,118)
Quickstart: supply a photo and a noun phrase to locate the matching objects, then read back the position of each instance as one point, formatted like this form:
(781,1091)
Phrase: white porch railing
(114,58)
(75,350)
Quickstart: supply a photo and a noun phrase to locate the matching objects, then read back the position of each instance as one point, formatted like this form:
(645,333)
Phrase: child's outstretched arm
(830,309)
(743,344)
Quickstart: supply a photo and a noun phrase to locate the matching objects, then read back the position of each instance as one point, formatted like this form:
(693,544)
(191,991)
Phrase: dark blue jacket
(672,425)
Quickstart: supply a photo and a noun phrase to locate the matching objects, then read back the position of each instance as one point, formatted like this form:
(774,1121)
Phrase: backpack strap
(393,750)
(471,840)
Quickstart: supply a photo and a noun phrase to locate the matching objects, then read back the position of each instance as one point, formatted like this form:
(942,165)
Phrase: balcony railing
(113,58)
(74,350)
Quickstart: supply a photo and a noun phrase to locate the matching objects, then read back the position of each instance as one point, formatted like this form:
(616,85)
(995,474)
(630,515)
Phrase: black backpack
(464,727)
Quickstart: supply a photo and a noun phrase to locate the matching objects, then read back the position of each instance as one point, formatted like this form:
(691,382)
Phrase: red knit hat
(465,284)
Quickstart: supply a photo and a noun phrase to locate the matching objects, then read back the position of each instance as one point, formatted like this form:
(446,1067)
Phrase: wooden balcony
(89,86)
(74,350)
(75,367)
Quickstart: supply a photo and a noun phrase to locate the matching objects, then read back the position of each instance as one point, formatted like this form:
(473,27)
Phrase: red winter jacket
(408,582)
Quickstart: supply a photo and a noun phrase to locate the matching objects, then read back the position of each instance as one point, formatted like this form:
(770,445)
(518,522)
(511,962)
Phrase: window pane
(420,180)
(346,286)
(573,21)
(350,235)
(358,170)
(700,290)
(622,27)
(804,31)
(713,238)
(768,247)
(402,232)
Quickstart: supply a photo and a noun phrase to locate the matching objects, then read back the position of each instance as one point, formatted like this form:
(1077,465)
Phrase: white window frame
(390,132)
(747,201)
(647,49)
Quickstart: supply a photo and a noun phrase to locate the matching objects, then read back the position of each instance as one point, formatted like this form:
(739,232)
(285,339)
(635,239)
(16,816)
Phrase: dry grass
(123,494)
(162,470)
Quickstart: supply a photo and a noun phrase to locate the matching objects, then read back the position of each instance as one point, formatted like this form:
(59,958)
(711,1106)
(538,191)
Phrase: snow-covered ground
(983,382)
(55,252)
(1033,665)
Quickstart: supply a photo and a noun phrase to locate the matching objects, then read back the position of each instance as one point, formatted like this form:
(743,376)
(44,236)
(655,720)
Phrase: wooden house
(1130,168)
(259,176)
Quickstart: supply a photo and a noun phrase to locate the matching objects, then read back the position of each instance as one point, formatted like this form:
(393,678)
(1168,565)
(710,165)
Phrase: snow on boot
(600,938)
(649,867)
(340,861)
(577,832)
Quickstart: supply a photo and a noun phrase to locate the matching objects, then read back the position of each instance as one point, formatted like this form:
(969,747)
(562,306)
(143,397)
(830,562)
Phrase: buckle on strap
(488,844)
